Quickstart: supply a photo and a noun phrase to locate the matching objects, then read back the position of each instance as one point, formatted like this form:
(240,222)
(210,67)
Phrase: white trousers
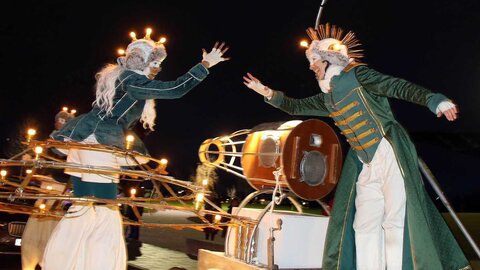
(98,158)
(34,239)
(380,212)
(38,230)
(87,237)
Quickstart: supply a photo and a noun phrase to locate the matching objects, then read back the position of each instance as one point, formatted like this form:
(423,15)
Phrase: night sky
(52,50)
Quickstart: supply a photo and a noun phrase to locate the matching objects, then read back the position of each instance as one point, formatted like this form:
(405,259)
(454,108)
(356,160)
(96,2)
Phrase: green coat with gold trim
(359,105)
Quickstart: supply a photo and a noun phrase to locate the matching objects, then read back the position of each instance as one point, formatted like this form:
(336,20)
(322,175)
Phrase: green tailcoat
(131,91)
(359,105)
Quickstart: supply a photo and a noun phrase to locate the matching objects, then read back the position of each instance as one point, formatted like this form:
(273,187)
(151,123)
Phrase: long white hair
(105,91)
(105,87)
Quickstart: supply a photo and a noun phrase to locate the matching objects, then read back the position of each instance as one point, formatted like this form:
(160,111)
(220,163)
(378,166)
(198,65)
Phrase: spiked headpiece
(331,44)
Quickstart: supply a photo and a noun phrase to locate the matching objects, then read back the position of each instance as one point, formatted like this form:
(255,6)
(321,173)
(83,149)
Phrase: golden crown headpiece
(146,39)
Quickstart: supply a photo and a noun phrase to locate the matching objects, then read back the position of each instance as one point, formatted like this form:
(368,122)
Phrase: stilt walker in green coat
(382,217)
(90,236)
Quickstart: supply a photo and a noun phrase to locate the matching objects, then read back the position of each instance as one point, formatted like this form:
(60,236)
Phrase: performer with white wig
(90,235)
(382,216)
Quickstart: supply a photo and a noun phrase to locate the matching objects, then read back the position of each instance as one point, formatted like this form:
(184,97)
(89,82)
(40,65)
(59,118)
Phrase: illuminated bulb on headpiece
(28,171)
(42,206)
(133,191)
(162,40)
(133,36)
(336,47)
(205,182)
(65,109)
(218,218)
(163,161)
(3,173)
(304,43)
(148,32)
(49,187)
(73,111)
(121,51)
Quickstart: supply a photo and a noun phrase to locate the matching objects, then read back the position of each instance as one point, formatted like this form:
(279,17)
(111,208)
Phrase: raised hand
(449,109)
(215,55)
(253,83)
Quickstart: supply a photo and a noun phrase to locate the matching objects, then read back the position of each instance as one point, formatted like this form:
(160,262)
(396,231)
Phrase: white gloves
(253,83)
(215,55)
(445,106)
(448,109)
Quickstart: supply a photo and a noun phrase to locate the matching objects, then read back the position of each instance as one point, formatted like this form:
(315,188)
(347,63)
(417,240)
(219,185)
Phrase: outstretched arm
(312,106)
(384,85)
(140,87)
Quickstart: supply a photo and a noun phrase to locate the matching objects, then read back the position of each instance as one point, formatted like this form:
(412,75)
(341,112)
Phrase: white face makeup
(153,68)
(155,64)
(312,58)
(318,66)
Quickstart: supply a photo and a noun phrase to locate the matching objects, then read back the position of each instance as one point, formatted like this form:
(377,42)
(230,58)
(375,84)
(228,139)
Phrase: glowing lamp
(205,182)
(42,206)
(162,40)
(133,191)
(129,141)
(304,43)
(337,47)
(133,35)
(199,197)
(148,32)
(199,201)
(218,218)
(65,109)
(38,150)
(30,133)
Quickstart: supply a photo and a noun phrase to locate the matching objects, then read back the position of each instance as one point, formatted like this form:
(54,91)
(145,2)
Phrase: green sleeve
(387,86)
(140,87)
(311,106)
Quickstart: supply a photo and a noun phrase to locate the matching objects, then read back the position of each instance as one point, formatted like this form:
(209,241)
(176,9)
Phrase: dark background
(51,51)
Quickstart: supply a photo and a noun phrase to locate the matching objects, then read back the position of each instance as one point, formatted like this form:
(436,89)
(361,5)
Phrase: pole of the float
(433,181)
(319,14)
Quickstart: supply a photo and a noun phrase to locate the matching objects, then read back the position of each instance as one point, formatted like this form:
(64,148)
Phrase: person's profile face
(318,66)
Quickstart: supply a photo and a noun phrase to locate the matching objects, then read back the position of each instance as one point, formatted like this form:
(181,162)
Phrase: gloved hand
(447,108)
(253,83)
(215,55)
